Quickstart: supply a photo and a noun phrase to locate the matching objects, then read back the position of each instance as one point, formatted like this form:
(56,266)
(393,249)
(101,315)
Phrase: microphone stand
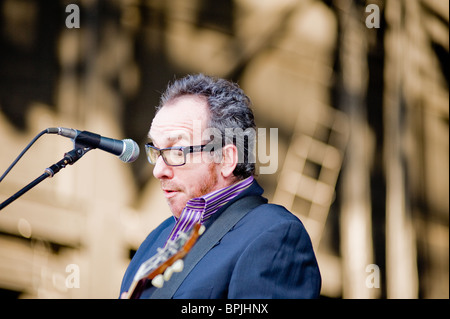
(69,159)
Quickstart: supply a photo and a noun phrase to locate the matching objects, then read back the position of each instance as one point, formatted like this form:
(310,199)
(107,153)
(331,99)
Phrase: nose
(162,170)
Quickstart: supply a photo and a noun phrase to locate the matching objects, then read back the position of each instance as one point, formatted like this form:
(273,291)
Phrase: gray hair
(230,109)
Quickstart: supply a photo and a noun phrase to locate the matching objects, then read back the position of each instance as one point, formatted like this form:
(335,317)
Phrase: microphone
(127,150)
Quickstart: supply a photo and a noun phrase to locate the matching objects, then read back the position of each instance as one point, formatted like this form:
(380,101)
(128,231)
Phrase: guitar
(161,266)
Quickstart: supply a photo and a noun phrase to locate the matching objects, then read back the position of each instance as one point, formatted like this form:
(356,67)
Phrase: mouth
(168,193)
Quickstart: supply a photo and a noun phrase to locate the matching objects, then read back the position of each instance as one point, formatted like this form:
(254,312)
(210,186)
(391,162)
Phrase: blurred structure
(358,91)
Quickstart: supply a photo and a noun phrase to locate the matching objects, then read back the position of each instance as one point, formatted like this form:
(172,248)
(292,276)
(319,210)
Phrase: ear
(229,160)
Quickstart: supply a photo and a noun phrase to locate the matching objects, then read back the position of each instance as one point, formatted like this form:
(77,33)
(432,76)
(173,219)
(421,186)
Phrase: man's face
(177,124)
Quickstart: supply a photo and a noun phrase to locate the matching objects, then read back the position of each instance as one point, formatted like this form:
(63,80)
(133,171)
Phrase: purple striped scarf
(199,209)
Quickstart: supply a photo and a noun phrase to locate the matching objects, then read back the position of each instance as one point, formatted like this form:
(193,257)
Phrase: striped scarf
(199,209)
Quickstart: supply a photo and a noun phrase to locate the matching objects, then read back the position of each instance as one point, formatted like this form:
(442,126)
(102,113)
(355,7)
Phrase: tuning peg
(158,281)
(201,230)
(178,265)
(168,273)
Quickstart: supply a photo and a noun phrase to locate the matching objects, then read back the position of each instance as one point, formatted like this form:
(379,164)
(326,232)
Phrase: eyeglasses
(174,156)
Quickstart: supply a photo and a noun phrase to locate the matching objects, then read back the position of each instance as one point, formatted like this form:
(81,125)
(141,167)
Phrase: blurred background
(358,91)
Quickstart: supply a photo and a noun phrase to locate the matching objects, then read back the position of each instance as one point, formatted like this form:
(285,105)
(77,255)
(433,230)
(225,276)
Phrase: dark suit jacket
(267,254)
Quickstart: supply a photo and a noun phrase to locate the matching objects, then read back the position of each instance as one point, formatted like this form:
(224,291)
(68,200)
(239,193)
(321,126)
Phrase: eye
(175,156)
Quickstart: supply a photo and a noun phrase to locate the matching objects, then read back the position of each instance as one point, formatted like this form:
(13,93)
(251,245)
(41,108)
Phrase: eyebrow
(172,137)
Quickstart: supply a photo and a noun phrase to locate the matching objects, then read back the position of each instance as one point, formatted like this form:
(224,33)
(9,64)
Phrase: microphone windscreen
(131,151)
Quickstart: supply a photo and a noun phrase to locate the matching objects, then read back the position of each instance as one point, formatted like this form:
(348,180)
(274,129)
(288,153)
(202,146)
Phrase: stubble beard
(206,187)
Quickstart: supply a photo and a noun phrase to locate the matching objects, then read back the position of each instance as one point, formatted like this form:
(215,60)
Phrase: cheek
(202,181)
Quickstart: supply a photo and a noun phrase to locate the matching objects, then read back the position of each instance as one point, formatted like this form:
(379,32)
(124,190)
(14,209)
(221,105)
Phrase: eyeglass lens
(170,156)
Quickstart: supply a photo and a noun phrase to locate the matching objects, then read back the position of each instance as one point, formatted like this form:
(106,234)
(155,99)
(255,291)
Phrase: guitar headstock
(167,261)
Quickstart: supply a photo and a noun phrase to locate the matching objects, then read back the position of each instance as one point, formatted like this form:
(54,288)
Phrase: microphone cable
(23,152)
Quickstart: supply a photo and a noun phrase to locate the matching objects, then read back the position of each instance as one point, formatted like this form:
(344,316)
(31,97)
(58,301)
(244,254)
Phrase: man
(207,177)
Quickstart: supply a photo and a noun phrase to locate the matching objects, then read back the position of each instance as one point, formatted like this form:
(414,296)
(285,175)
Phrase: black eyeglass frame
(185,149)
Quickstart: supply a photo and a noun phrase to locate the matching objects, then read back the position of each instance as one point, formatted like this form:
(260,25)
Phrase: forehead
(179,119)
